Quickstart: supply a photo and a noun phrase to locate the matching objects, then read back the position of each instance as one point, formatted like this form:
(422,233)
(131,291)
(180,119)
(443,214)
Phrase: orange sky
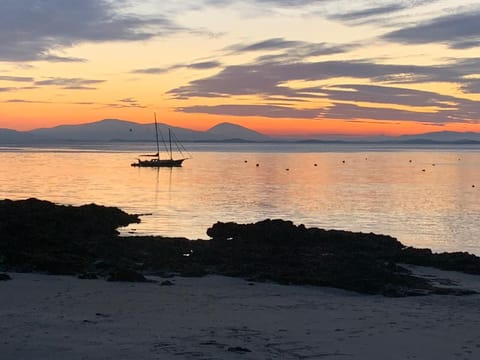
(316,68)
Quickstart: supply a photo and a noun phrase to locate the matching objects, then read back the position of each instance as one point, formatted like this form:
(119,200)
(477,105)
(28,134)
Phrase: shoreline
(218,317)
(38,237)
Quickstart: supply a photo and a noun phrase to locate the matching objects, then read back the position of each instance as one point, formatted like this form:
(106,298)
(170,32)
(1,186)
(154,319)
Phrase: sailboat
(156,162)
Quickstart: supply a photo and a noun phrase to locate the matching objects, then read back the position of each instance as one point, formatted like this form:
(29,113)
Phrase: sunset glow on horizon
(306,68)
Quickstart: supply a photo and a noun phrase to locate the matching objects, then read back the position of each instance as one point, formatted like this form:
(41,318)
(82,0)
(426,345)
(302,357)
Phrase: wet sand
(215,317)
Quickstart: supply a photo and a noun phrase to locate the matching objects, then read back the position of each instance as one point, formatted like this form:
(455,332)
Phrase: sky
(281,67)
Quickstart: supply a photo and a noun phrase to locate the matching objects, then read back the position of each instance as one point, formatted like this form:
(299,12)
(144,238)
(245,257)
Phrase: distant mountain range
(109,130)
(120,130)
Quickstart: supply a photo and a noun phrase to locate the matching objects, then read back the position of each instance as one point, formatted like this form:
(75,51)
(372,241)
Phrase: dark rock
(4,277)
(167,283)
(102,315)
(126,275)
(239,350)
(455,261)
(194,270)
(88,276)
(54,238)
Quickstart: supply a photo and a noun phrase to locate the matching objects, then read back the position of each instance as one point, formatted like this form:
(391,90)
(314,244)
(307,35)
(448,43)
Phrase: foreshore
(217,317)
(269,290)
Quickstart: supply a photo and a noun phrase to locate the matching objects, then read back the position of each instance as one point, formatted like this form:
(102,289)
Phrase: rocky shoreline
(39,236)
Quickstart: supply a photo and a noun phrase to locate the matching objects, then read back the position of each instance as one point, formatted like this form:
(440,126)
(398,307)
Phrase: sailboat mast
(156,135)
(170,142)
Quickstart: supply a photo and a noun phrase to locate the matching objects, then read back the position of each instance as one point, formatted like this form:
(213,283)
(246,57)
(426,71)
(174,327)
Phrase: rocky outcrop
(280,251)
(41,236)
(456,261)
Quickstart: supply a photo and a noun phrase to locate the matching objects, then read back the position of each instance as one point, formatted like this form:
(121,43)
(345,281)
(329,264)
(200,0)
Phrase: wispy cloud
(278,3)
(36,29)
(128,102)
(152,70)
(348,100)
(16,78)
(270,78)
(368,12)
(69,83)
(204,65)
(280,49)
(271,111)
(269,44)
(25,101)
(349,111)
(458,31)
(385,13)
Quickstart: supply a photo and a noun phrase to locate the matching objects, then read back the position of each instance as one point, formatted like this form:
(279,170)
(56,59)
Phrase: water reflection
(382,192)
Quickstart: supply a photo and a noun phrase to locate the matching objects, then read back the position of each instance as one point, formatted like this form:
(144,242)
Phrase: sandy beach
(216,317)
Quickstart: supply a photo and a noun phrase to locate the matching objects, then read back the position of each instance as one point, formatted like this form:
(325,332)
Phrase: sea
(425,196)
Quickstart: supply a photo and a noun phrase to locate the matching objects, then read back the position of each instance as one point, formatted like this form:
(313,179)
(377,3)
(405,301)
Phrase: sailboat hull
(156,163)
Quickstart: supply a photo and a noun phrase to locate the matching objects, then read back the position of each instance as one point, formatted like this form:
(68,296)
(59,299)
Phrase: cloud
(37,29)
(128,102)
(387,95)
(16,78)
(26,101)
(205,65)
(269,44)
(292,50)
(197,66)
(271,111)
(153,70)
(446,108)
(352,111)
(79,87)
(459,30)
(472,86)
(368,12)
(270,81)
(277,3)
(69,83)
(271,78)
(7,89)
(384,13)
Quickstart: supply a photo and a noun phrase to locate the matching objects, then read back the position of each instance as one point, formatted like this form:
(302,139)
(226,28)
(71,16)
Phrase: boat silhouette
(156,161)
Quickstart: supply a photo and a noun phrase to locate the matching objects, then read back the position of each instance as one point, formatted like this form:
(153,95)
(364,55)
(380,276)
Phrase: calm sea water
(424,197)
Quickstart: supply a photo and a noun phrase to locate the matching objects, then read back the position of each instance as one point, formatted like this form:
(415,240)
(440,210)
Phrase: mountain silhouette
(108,130)
(122,130)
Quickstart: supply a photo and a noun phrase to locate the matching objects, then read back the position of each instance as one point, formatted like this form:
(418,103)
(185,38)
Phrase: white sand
(60,317)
